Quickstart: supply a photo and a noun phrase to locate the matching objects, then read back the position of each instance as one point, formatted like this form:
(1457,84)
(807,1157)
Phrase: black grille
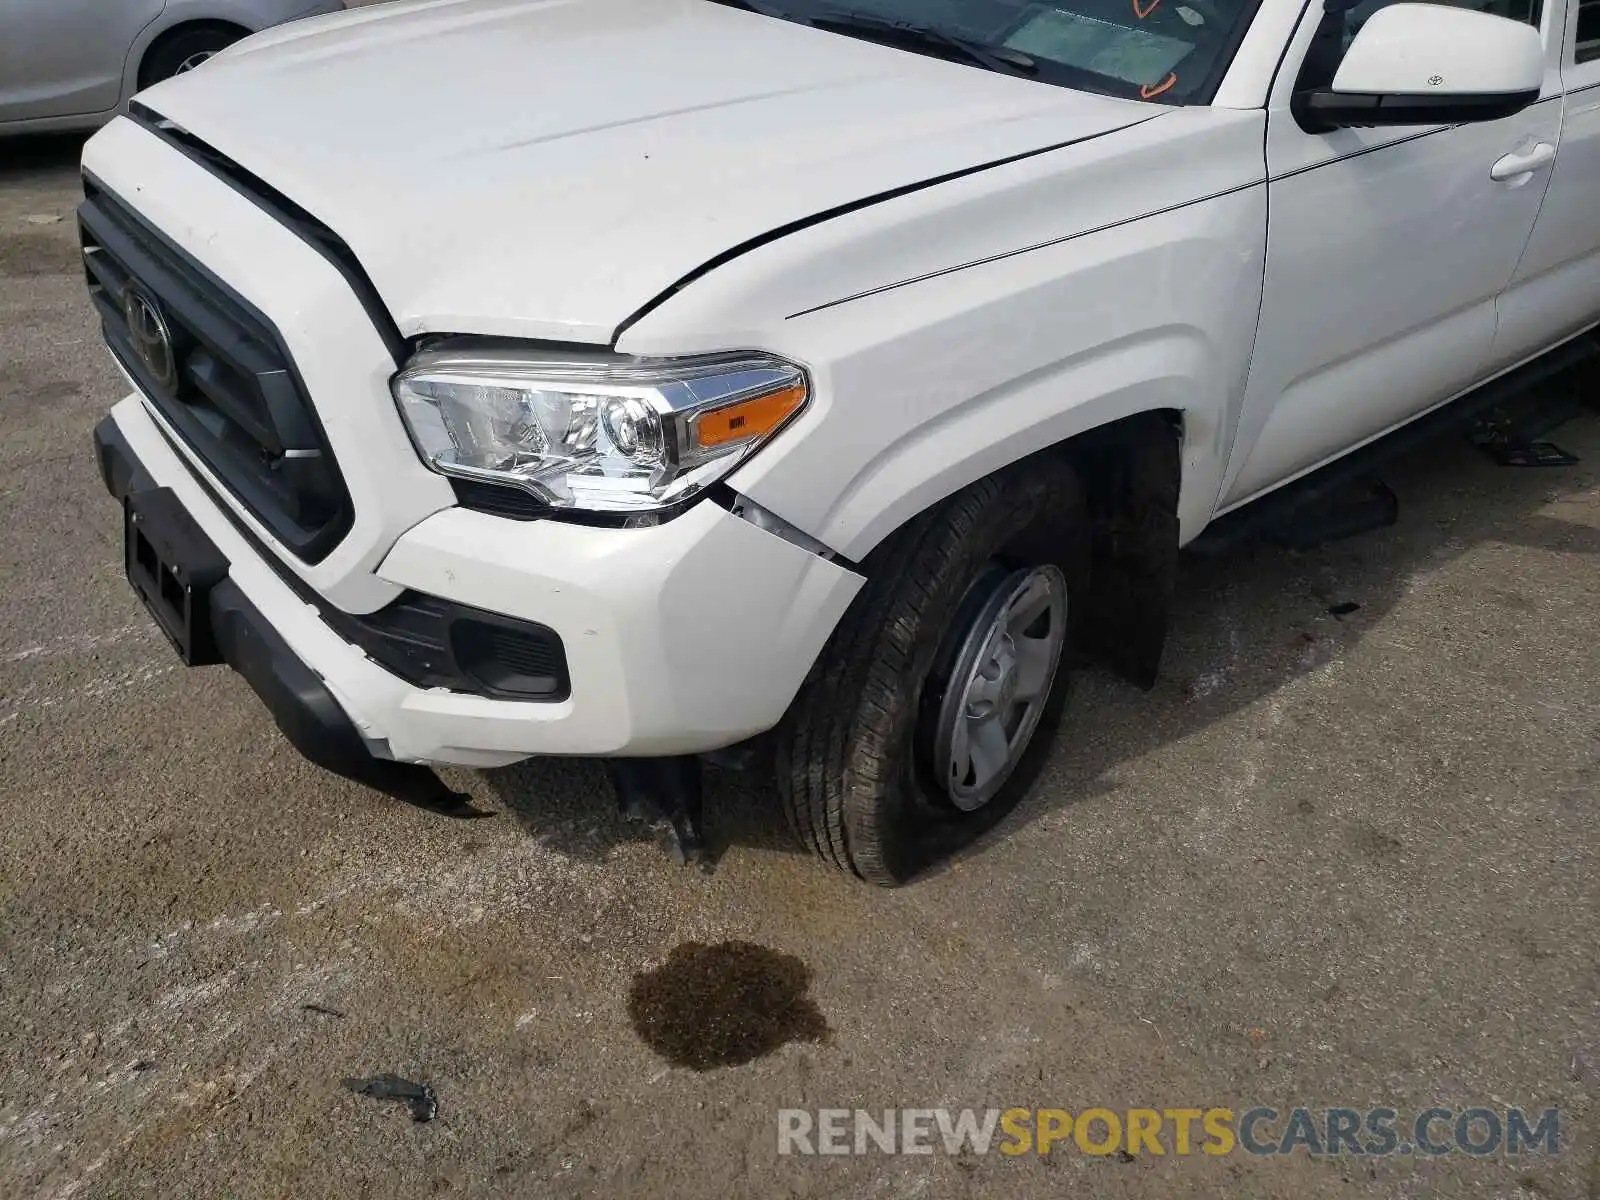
(217,370)
(430,642)
(506,660)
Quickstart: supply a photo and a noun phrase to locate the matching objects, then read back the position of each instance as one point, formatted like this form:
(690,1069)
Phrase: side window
(1588,47)
(1343,19)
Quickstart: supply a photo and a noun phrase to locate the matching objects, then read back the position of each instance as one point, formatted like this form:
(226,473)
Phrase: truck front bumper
(680,638)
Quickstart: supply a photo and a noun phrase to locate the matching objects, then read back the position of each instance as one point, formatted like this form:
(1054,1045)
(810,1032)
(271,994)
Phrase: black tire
(169,53)
(851,757)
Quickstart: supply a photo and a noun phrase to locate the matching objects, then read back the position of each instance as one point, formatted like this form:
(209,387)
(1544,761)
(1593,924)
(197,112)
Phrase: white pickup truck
(649,379)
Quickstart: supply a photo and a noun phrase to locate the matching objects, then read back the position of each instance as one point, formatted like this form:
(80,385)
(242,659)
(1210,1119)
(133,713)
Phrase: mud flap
(1131,472)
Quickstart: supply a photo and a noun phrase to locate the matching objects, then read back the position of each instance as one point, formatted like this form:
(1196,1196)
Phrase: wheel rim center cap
(1008,686)
(994,688)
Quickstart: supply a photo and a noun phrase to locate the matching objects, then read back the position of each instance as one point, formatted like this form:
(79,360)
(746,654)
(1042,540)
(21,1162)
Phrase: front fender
(922,387)
(1146,371)
(922,390)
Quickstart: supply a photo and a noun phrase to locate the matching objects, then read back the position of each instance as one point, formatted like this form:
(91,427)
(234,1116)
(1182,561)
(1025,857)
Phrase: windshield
(1171,51)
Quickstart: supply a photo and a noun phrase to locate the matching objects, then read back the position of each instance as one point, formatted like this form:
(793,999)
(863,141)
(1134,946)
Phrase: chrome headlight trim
(593,432)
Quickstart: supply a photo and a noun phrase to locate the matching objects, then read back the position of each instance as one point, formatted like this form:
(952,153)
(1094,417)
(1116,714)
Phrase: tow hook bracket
(670,789)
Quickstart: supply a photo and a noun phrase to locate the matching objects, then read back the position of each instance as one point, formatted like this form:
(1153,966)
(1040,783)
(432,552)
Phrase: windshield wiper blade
(995,58)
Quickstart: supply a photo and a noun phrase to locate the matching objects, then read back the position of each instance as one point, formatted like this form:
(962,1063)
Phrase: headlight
(594,433)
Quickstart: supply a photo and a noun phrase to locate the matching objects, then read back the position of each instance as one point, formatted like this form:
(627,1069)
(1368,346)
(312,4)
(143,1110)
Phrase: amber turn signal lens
(748,418)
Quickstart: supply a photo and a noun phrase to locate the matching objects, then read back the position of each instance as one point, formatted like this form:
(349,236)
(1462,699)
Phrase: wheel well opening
(1130,472)
(168,36)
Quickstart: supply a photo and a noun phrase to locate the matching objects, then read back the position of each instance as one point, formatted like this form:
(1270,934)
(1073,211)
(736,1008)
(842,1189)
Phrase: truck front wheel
(932,706)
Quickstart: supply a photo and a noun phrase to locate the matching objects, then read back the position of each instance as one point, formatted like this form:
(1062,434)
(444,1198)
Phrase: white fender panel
(922,388)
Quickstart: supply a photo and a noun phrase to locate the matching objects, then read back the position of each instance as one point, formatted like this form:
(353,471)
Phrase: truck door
(1556,291)
(1386,250)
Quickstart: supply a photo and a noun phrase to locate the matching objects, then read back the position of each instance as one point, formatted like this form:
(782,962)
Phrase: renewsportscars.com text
(1260,1130)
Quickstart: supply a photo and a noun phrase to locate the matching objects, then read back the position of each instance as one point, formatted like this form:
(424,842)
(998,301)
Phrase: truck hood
(548,169)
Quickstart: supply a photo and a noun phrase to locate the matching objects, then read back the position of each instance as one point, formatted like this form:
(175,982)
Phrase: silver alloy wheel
(1000,683)
(193,61)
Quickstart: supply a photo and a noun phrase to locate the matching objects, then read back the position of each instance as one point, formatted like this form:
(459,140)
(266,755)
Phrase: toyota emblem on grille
(150,337)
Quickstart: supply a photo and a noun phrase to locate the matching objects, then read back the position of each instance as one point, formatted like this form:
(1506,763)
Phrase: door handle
(1514,168)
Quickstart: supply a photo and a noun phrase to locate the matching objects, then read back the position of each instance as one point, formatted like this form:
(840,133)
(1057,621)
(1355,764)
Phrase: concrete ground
(1329,860)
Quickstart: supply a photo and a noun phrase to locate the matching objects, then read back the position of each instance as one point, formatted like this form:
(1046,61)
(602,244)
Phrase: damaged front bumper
(678,639)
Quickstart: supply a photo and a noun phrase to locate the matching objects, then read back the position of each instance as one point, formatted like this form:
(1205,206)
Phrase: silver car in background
(70,64)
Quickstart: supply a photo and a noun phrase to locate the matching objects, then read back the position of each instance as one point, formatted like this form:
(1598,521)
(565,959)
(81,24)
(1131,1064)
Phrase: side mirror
(1427,64)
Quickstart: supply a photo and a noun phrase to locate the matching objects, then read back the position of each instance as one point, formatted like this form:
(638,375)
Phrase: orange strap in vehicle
(1151,91)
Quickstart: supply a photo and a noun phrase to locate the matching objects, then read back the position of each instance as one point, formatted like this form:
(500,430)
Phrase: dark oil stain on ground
(722,1005)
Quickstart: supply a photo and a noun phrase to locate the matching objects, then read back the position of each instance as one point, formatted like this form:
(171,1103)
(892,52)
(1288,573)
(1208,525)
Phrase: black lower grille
(430,642)
(218,371)
(507,660)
